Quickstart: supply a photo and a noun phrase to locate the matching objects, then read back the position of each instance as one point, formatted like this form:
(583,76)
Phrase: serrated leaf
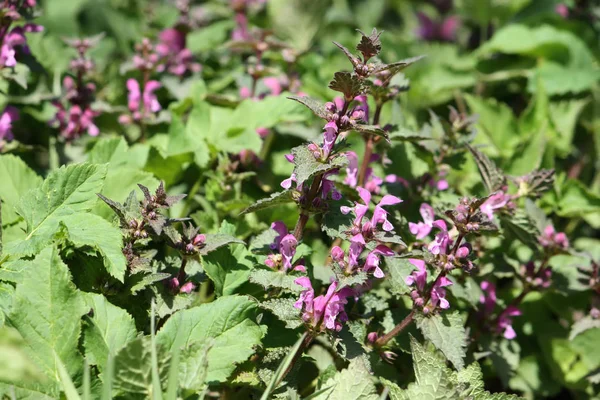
(447,332)
(371,130)
(346,83)
(583,325)
(65,192)
(352,383)
(47,312)
(17,179)
(148,280)
(228,268)
(107,330)
(277,198)
(275,279)
(351,57)
(522,227)
(492,176)
(216,240)
(229,320)
(370,45)
(399,269)
(397,66)
(133,368)
(284,310)
(313,105)
(306,166)
(194,365)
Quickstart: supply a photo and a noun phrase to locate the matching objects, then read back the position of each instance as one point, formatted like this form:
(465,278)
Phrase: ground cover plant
(284,199)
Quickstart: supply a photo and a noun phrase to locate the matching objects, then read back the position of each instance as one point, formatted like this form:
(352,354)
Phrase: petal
(389,200)
(365,195)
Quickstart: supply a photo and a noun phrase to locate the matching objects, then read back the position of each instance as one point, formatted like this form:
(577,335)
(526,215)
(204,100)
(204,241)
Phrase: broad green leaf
(496,122)
(30,390)
(447,332)
(17,179)
(284,310)
(193,367)
(228,268)
(216,240)
(399,269)
(133,368)
(565,115)
(47,313)
(230,321)
(67,191)
(15,364)
(351,383)
(89,230)
(306,166)
(107,330)
(274,279)
(277,198)
(576,200)
(583,325)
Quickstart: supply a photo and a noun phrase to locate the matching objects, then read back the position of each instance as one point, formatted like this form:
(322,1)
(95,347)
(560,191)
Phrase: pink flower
(438,293)
(372,337)
(562,10)
(287,183)
(172,41)
(273,84)
(329,137)
(9,115)
(352,169)
(142,105)
(550,238)
(379,214)
(282,231)
(287,248)
(263,132)
(418,277)
(495,202)
(488,298)
(442,239)
(328,186)
(187,288)
(325,310)
(373,260)
(422,229)
(337,254)
(505,322)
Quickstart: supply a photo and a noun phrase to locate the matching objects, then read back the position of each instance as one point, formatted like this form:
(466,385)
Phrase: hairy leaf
(447,332)
(316,107)
(352,383)
(284,310)
(277,198)
(346,83)
(229,321)
(492,176)
(275,279)
(306,166)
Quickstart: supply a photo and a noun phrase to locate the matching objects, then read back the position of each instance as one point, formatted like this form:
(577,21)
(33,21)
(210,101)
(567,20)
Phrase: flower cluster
(324,311)
(552,240)
(8,116)
(285,245)
(143,105)
(74,115)
(14,40)
(443,28)
(503,323)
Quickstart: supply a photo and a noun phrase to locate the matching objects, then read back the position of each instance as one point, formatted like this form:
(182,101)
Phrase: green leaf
(371,130)
(133,368)
(284,310)
(277,198)
(93,231)
(492,176)
(370,45)
(228,268)
(306,166)
(583,325)
(522,226)
(17,179)
(67,191)
(194,365)
(216,240)
(107,330)
(447,332)
(346,83)
(351,383)
(230,320)
(275,279)
(313,105)
(47,312)
(577,200)
(496,122)
(399,269)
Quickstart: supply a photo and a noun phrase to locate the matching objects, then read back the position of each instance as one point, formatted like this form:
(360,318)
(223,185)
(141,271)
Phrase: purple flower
(287,183)
(337,254)
(418,277)
(444,30)
(380,215)
(422,229)
(187,288)
(373,260)
(505,322)
(328,186)
(359,209)
(363,106)
(495,202)
(325,310)
(282,231)
(357,245)
(488,298)
(372,337)
(9,115)
(75,121)
(442,239)
(562,10)
(142,105)
(16,38)
(552,239)
(287,248)
(352,169)
(438,293)
(329,137)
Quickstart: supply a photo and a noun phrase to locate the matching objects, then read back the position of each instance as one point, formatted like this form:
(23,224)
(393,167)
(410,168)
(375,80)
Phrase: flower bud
(419,302)
(372,337)
(337,254)
(198,239)
(426,310)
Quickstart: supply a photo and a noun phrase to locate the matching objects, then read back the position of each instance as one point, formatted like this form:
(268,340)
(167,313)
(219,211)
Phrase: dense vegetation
(272,199)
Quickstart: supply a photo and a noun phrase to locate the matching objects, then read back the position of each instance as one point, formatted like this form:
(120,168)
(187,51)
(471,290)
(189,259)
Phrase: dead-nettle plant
(363,231)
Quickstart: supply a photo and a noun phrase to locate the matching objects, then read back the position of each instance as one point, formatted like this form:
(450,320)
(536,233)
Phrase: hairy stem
(305,343)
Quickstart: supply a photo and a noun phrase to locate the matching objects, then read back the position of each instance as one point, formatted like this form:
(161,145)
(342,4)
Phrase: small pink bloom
(422,229)
(488,298)
(187,288)
(273,84)
(438,293)
(287,248)
(442,239)
(495,202)
(372,337)
(418,277)
(352,169)
(329,137)
(373,260)
(505,322)
(9,115)
(263,132)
